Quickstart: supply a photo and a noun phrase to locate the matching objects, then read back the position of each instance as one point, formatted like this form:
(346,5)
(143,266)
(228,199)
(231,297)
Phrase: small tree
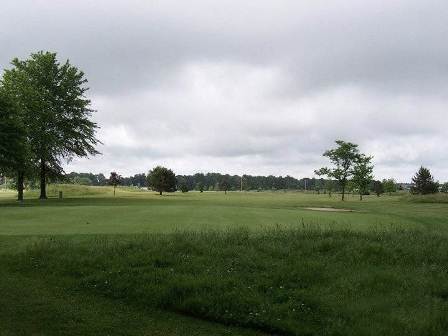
(114,180)
(378,188)
(424,182)
(182,184)
(343,158)
(200,187)
(389,186)
(162,179)
(329,186)
(224,183)
(362,174)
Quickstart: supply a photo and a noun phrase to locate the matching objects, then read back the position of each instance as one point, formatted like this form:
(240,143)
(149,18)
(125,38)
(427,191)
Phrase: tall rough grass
(307,282)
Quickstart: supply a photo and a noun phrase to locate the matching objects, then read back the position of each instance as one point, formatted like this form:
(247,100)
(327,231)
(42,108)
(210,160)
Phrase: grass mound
(308,282)
(77,190)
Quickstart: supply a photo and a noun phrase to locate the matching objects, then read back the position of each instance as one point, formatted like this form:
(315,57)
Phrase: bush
(184,188)
(444,188)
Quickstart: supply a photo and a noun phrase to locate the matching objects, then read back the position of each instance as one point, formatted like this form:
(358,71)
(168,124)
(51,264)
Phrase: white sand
(329,209)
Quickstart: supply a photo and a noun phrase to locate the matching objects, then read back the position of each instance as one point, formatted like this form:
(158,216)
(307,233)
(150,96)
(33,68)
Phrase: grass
(30,305)
(432,198)
(98,212)
(235,264)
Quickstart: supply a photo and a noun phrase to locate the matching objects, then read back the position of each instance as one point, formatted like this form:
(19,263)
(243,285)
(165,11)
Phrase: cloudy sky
(255,87)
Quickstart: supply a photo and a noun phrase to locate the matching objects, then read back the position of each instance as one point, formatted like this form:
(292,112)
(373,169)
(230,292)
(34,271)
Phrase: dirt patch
(330,209)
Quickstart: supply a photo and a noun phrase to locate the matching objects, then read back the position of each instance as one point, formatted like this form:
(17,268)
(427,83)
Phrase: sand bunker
(330,209)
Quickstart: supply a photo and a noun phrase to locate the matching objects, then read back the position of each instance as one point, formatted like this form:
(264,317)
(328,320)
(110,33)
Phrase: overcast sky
(254,87)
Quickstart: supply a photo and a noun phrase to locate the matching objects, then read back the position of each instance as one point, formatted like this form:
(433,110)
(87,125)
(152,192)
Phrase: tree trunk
(43,180)
(360,196)
(343,192)
(160,192)
(114,190)
(20,179)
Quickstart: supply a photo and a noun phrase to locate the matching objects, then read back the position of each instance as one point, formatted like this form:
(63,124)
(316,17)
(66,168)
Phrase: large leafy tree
(162,179)
(52,100)
(14,149)
(343,158)
(424,182)
(362,173)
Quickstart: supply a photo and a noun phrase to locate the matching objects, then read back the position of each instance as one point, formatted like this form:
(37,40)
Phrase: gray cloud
(259,87)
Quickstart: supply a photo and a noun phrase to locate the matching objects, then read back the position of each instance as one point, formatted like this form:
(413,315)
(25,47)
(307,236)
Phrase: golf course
(215,263)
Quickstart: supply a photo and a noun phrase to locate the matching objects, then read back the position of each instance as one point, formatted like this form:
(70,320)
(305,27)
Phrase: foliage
(389,185)
(82,180)
(329,186)
(14,144)
(200,187)
(182,185)
(210,180)
(378,188)
(114,180)
(12,136)
(52,103)
(138,180)
(224,183)
(362,174)
(444,188)
(343,158)
(424,182)
(162,179)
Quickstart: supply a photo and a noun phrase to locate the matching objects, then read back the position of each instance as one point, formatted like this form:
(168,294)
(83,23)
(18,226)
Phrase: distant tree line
(227,182)
(422,183)
(212,182)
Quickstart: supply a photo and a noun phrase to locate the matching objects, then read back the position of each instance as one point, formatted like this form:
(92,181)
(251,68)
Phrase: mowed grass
(215,264)
(93,210)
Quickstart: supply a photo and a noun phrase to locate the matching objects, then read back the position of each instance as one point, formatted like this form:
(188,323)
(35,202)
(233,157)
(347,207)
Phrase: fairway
(241,263)
(96,211)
